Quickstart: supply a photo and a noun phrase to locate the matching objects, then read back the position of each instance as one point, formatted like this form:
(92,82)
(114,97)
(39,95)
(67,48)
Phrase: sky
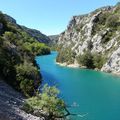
(51,17)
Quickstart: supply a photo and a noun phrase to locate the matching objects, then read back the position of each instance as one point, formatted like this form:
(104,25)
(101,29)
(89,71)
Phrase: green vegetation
(86,60)
(91,60)
(98,60)
(112,21)
(47,101)
(66,56)
(17,52)
(26,76)
(107,19)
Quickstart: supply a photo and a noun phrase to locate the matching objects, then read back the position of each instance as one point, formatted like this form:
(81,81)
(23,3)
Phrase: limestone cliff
(97,32)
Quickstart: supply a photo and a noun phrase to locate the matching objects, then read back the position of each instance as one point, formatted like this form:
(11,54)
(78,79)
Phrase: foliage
(86,59)
(91,60)
(98,60)
(103,17)
(117,9)
(112,21)
(66,55)
(26,75)
(48,101)
(17,52)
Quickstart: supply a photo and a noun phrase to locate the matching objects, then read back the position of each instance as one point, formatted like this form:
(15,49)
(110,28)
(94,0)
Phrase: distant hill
(32,32)
(37,35)
(53,38)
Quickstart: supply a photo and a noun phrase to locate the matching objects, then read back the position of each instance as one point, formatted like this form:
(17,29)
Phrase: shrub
(26,76)
(112,21)
(98,60)
(103,17)
(48,101)
(91,60)
(86,60)
(66,55)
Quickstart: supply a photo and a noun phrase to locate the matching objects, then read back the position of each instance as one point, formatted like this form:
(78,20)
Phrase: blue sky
(49,16)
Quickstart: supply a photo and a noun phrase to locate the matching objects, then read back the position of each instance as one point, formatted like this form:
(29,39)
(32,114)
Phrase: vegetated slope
(93,40)
(37,35)
(17,51)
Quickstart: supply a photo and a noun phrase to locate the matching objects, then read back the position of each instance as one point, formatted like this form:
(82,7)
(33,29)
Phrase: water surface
(96,95)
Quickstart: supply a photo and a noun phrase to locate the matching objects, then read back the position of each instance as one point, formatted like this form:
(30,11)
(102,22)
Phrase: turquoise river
(94,95)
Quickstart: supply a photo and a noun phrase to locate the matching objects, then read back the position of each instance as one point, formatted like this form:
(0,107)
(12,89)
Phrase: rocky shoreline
(83,67)
(70,65)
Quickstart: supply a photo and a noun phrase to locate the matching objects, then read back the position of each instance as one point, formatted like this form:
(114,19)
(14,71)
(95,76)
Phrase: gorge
(27,63)
(92,94)
(92,40)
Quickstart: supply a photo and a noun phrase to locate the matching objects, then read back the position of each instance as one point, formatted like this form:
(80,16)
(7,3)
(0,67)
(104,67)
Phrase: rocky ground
(10,103)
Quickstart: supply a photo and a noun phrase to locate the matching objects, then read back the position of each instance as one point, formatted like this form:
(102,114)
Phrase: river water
(92,94)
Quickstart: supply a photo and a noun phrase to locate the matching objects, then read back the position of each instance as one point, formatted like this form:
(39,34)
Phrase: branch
(68,114)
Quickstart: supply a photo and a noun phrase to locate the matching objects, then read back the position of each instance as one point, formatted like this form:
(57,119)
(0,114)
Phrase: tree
(86,59)
(27,75)
(48,105)
(48,101)
(98,60)
(66,55)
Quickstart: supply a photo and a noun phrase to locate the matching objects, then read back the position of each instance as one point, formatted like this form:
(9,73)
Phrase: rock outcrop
(53,39)
(97,32)
(10,104)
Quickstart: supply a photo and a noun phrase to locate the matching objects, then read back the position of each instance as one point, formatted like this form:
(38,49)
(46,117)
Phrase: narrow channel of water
(96,95)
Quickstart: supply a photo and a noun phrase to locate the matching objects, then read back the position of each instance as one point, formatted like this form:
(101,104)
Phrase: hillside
(37,35)
(53,39)
(18,49)
(32,32)
(92,40)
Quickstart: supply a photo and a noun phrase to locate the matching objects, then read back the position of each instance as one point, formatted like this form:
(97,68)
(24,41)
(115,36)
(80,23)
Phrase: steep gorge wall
(97,32)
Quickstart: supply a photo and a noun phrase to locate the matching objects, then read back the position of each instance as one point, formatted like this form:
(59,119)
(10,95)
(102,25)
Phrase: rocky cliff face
(97,32)
(53,39)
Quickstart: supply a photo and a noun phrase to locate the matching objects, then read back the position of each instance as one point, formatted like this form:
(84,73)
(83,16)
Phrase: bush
(86,60)
(103,17)
(66,55)
(98,60)
(26,76)
(48,101)
(27,87)
(112,21)
(91,60)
